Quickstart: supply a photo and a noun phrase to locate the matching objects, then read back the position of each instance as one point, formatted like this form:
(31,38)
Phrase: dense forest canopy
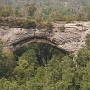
(41,13)
(55,10)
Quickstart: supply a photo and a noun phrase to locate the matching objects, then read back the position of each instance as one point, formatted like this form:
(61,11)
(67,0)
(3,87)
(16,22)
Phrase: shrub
(49,25)
(41,25)
(29,24)
(46,25)
(62,28)
(20,22)
(79,25)
(88,41)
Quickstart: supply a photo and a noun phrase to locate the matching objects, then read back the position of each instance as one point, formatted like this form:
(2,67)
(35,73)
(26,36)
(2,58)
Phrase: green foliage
(59,10)
(17,12)
(87,10)
(5,10)
(46,10)
(29,23)
(49,26)
(62,28)
(20,22)
(42,14)
(85,84)
(30,56)
(41,25)
(7,61)
(88,40)
(44,25)
(30,9)
(7,85)
(83,57)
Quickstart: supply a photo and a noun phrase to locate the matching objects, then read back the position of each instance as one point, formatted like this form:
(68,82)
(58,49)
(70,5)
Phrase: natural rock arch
(68,40)
(22,43)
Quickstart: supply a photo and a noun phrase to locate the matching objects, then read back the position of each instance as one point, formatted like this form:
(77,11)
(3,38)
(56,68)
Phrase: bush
(88,41)
(62,28)
(41,25)
(20,22)
(46,25)
(49,25)
(29,24)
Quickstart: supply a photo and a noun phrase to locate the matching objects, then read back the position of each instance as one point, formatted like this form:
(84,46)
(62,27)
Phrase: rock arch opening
(24,42)
(43,52)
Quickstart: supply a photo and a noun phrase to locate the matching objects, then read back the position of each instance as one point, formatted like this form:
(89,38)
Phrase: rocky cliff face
(68,37)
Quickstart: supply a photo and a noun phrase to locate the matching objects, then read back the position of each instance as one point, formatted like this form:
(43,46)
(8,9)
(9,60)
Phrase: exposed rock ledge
(67,37)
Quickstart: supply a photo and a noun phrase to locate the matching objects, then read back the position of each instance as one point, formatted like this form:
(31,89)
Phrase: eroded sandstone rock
(70,40)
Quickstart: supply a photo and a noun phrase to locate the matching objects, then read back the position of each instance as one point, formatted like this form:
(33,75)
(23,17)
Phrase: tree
(7,61)
(30,57)
(30,9)
(87,10)
(5,10)
(17,12)
(5,84)
(85,83)
(10,61)
(87,42)
(83,56)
